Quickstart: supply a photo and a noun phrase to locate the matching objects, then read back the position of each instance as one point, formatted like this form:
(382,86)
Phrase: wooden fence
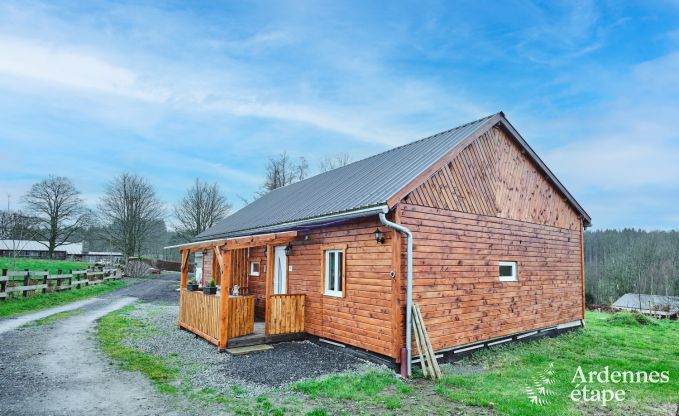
(286,314)
(25,281)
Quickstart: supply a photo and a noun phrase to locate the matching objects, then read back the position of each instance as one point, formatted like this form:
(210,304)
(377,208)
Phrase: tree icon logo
(539,391)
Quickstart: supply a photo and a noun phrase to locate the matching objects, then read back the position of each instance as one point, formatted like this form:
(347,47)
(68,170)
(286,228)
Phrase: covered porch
(228,317)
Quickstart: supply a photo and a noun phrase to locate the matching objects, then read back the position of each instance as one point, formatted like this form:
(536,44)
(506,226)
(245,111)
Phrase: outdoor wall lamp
(288,249)
(379,236)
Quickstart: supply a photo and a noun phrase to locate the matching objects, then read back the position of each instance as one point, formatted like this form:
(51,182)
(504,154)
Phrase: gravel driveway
(57,369)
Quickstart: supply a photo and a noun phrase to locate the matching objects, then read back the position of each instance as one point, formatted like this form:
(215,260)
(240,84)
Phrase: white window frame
(338,276)
(514,265)
(252,267)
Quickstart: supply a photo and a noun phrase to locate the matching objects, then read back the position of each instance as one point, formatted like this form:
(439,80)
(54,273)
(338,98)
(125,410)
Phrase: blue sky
(178,90)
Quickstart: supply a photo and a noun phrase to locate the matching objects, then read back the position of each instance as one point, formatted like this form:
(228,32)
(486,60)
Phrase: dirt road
(57,369)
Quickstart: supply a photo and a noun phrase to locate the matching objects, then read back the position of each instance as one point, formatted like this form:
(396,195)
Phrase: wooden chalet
(469,224)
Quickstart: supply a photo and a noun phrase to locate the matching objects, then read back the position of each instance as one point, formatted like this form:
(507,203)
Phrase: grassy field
(39,264)
(39,301)
(496,381)
(619,342)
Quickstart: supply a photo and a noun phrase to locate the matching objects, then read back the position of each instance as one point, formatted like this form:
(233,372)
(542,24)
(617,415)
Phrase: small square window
(508,271)
(254,268)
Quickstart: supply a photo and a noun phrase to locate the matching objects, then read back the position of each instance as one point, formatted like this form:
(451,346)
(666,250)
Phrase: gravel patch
(203,367)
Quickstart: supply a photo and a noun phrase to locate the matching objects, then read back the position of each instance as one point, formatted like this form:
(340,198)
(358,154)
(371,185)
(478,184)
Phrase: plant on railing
(192,285)
(211,289)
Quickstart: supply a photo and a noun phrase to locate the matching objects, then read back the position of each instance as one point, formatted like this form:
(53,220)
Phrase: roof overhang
(238,242)
(298,224)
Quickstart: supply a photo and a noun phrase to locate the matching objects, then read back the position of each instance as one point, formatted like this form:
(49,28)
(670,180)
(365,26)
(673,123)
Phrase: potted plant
(212,289)
(192,285)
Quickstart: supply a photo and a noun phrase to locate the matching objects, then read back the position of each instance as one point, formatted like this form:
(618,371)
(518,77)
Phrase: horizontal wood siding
(493,177)
(257,284)
(363,317)
(456,277)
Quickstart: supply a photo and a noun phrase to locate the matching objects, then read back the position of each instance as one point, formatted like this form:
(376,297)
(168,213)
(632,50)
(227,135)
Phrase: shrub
(630,319)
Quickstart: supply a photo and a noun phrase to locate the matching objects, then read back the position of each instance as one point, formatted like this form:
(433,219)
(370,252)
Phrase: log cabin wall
(491,204)
(208,271)
(362,317)
(257,284)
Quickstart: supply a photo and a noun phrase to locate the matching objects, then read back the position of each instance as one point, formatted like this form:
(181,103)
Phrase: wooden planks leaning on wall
(492,177)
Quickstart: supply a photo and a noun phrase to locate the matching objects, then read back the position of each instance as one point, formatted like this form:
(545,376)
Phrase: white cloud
(51,63)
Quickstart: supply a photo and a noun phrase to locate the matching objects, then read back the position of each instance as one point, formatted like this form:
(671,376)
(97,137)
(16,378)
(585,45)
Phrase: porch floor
(259,337)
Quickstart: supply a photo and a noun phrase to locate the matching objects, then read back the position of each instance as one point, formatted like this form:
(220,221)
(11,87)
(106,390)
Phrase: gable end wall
(491,204)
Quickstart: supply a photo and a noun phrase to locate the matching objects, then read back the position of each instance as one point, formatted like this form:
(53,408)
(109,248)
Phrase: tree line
(130,217)
(630,261)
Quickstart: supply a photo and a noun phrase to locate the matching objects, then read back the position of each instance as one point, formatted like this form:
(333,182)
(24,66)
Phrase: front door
(280,271)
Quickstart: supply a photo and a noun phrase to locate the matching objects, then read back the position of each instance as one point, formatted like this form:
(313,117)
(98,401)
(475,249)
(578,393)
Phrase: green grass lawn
(40,264)
(493,381)
(617,341)
(39,301)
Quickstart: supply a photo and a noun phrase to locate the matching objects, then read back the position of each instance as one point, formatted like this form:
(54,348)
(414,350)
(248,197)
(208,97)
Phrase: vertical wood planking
(285,314)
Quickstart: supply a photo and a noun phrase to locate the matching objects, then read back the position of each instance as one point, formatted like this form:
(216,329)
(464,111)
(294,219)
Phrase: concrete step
(248,349)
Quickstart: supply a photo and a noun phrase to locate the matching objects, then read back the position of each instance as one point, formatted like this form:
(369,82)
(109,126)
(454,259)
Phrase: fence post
(3,284)
(44,281)
(58,286)
(86,280)
(70,279)
(26,282)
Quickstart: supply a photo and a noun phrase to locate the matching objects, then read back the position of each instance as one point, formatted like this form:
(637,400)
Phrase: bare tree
(334,162)
(202,207)
(281,170)
(130,210)
(56,205)
(15,228)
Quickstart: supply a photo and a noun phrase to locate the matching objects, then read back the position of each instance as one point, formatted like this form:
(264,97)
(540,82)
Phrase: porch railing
(285,314)
(199,313)
(241,320)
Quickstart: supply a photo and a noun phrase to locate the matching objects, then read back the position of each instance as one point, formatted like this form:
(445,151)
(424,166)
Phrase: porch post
(184,269)
(269,285)
(224,299)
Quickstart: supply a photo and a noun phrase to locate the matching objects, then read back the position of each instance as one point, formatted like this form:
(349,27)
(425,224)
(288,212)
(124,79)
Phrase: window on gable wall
(334,273)
(508,271)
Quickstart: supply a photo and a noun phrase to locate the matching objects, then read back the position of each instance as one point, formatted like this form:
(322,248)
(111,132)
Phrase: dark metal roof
(359,185)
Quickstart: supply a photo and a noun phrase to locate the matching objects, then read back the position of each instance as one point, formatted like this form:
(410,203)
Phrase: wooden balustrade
(241,320)
(199,314)
(285,314)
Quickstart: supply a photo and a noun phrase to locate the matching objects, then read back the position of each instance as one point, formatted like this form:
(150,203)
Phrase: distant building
(38,250)
(112,257)
(656,305)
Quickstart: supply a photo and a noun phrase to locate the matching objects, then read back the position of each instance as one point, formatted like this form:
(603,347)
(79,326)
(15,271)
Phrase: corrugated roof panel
(364,183)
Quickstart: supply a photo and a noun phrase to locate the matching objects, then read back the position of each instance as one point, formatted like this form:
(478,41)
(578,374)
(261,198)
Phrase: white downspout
(409,290)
